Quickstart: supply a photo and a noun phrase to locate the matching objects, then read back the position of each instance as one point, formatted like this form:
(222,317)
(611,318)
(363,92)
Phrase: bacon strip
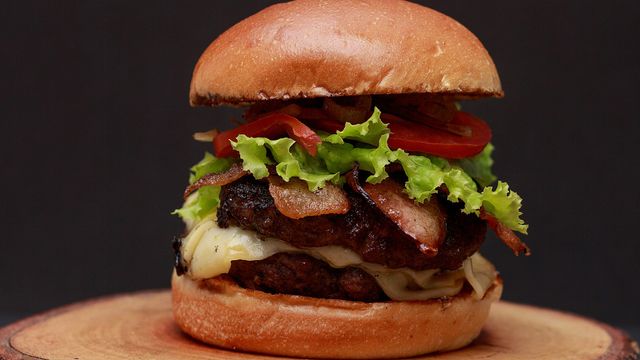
(425,223)
(234,173)
(294,200)
(506,235)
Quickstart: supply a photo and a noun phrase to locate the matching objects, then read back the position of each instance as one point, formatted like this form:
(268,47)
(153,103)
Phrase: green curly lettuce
(200,204)
(290,161)
(341,158)
(479,166)
(208,165)
(366,145)
(205,200)
(368,132)
(425,175)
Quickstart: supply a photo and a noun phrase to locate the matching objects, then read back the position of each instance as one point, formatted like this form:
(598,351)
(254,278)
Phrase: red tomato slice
(420,138)
(273,125)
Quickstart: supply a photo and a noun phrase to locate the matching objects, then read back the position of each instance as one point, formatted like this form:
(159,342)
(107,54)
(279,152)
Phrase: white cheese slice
(209,250)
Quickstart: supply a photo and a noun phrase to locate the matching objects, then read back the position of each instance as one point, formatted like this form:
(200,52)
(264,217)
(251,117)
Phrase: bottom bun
(219,312)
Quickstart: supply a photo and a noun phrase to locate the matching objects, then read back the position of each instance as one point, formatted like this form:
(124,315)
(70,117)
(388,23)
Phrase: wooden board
(140,326)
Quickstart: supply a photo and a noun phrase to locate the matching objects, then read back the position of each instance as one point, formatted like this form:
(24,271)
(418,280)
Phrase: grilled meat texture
(364,229)
(300,274)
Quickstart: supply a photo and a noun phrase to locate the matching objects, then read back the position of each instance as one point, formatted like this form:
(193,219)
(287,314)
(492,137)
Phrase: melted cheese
(209,250)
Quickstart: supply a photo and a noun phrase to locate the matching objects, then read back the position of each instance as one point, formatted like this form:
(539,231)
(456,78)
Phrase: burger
(342,217)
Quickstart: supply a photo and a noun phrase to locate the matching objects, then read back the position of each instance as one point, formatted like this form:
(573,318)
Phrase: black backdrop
(96,143)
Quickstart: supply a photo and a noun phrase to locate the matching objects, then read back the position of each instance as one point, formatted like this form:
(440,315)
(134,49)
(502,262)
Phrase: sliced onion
(294,199)
(452,128)
(263,107)
(418,118)
(205,136)
(438,110)
(355,114)
(234,173)
(292,109)
(434,111)
(295,110)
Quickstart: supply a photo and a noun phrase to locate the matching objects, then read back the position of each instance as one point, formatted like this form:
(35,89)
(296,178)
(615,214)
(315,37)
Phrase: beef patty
(364,229)
(300,274)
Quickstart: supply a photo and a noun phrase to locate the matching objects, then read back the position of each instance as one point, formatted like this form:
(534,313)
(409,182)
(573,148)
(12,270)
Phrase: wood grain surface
(140,326)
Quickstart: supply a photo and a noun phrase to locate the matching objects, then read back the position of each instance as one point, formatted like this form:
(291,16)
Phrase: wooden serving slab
(140,326)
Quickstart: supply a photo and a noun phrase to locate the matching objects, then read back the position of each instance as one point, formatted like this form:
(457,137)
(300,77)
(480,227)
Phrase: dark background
(96,144)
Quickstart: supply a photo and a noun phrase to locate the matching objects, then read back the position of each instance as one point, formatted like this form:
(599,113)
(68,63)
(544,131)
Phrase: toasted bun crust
(316,48)
(219,312)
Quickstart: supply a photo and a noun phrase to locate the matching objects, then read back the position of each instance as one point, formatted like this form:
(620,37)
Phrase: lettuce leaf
(341,158)
(505,205)
(425,175)
(479,166)
(199,204)
(290,159)
(209,165)
(366,144)
(206,199)
(368,132)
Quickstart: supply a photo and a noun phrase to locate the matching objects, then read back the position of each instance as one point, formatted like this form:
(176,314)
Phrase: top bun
(318,48)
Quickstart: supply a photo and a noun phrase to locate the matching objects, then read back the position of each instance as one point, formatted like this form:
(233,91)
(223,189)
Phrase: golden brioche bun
(219,312)
(319,48)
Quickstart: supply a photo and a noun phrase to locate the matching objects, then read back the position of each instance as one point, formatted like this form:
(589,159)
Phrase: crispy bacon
(425,223)
(294,200)
(234,173)
(506,235)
